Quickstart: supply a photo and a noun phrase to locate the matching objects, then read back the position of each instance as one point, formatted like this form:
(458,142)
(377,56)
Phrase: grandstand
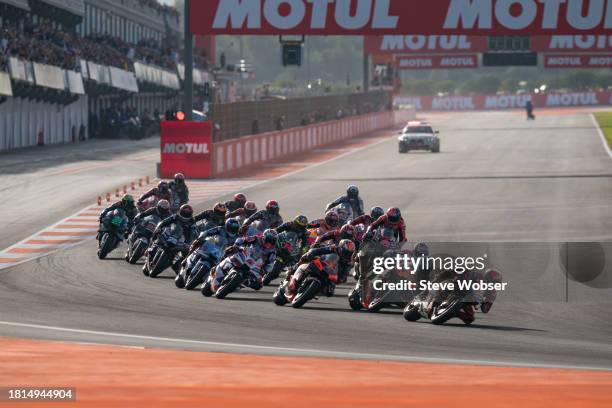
(76,69)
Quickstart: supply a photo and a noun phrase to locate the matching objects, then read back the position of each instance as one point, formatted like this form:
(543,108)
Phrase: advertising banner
(423,44)
(572,43)
(381,17)
(578,61)
(186,148)
(505,101)
(437,62)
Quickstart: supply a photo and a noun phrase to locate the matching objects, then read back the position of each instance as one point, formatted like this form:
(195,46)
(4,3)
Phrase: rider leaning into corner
(270,216)
(392,219)
(300,226)
(265,245)
(179,188)
(215,216)
(345,251)
(127,205)
(239,201)
(161,210)
(161,192)
(352,198)
(329,223)
(367,219)
(243,213)
(229,233)
(183,219)
(346,232)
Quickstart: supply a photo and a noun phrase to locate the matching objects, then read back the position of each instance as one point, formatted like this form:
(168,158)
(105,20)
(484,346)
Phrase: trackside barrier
(241,153)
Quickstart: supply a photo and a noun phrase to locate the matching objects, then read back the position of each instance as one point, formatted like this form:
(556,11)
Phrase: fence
(231,156)
(247,118)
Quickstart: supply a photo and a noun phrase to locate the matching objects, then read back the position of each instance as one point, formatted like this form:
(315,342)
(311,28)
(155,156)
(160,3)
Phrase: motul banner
(423,44)
(507,101)
(186,148)
(578,61)
(392,17)
(572,43)
(437,62)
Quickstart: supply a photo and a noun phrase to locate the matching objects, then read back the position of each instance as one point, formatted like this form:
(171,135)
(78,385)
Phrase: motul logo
(580,42)
(520,14)
(425,43)
(185,148)
(289,14)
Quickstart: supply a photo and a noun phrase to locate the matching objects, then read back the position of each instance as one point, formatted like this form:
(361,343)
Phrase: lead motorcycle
(113,229)
(140,238)
(309,280)
(442,305)
(200,262)
(247,264)
(165,251)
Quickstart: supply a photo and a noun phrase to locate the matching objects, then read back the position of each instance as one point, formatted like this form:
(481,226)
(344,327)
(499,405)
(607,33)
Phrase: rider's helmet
(376,213)
(272,207)
(250,208)
(492,276)
(270,237)
(163,187)
(179,178)
(240,198)
(220,209)
(301,221)
(346,249)
(185,212)
(232,226)
(128,201)
(394,216)
(352,191)
(163,207)
(347,232)
(332,219)
(421,249)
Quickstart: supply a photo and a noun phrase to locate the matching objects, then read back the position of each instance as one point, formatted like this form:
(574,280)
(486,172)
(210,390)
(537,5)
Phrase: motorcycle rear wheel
(207,289)
(309,291)
(411,313)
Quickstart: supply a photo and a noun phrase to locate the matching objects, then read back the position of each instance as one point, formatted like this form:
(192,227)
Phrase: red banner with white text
(578,61)
(392,17)
(186,148)
(507,101)
(423,44)
(412,62)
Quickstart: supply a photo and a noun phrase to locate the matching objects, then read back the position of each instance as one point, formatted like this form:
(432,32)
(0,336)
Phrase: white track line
(305,352)
(601,135)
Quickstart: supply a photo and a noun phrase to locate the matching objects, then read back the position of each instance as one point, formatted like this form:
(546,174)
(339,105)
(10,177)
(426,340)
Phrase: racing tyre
(279,297)
(306,292)
(229,284)
(179,281)
(411,313)
(355,300)
(107,244)
(138,252)
(207,289)
(196,277)
(162,263)
(446,311)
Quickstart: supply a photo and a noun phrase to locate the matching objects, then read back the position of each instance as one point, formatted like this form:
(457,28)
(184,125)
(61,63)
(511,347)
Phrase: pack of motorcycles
(306,282)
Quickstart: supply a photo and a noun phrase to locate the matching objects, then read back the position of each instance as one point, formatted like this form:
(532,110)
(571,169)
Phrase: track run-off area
(498,178)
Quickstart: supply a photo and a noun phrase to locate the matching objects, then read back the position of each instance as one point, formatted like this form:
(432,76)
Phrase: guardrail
(234,155)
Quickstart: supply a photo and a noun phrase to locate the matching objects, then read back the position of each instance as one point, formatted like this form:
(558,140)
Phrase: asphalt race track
(498,178)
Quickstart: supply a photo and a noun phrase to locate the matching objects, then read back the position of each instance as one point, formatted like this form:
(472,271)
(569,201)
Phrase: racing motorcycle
(309,280)
(442,305)
(246,264)
(345,213)
(364,295)
(288,252)
(200,262)
(113,229)
(165,250)
(140,238)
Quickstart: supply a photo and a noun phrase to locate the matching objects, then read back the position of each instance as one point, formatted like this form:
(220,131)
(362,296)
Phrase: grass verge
(605,123)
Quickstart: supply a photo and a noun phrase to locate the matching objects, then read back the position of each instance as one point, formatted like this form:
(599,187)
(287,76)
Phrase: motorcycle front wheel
(229,284)
(411,313)
(107,244)
(306,292)
(137,252)
(197,275)
(161,262)
(446,311)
